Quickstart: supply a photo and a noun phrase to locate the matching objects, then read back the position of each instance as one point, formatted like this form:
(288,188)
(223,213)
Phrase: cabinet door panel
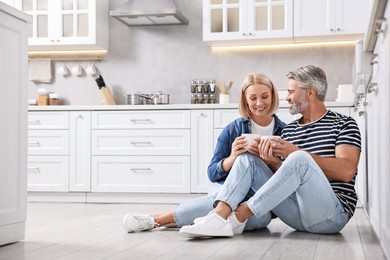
(48,173)
(141,174)
(48,142)
(141,142)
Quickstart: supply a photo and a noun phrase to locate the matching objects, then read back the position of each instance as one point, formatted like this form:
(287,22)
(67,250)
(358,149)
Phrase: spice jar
(43,97)
(53,99)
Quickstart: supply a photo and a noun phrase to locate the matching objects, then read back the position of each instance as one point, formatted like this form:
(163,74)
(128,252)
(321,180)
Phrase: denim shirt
(224,145)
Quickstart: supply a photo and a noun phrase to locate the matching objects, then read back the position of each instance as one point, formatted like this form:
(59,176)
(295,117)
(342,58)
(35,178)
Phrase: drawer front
(141,142)
(223,117)
(48,142)
(48,120)
(48,173)
(141,174)
(140,119)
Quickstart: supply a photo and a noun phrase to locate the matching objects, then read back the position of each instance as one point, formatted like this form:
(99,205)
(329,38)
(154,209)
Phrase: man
(306,178)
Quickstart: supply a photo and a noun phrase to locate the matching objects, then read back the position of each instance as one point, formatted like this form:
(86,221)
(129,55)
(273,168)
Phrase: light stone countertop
(160,107)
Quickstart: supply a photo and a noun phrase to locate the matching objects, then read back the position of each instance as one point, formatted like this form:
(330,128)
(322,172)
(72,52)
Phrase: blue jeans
(298,193)
(186,212)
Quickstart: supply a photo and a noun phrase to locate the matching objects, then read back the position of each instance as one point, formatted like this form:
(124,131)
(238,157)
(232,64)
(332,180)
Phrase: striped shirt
(321,137)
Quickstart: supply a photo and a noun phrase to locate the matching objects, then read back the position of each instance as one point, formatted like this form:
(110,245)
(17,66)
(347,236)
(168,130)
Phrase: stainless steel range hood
(149,12)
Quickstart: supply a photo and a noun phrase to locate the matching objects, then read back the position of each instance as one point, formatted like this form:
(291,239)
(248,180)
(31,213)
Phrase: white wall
(167,58)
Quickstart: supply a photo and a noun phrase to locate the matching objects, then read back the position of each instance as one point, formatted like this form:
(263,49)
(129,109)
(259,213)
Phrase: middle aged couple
(306,178)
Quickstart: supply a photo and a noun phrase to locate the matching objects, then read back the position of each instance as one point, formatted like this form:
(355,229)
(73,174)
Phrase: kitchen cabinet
(48,151)
(143,151)
(125,154)
(325,20)
(67,25)
(13,116)
(246,21)
(202,147)
(59,151)
(377,123)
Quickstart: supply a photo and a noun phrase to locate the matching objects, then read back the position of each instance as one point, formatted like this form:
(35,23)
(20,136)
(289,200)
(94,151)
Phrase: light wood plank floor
(94,231)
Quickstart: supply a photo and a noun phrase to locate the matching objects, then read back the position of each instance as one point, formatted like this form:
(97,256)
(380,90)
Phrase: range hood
(149,12)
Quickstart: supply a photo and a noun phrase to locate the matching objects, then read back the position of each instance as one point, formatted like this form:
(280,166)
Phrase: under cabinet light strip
(288,45)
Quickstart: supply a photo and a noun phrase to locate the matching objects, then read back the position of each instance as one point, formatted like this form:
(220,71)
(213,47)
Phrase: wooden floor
(94,231)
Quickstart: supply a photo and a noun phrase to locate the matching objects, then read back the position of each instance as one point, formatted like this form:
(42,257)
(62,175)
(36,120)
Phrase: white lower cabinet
(146,151)
(115,156)
(58,151)
(201,148)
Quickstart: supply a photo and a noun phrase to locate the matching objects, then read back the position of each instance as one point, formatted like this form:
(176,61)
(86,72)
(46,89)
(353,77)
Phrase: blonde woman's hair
(250,80)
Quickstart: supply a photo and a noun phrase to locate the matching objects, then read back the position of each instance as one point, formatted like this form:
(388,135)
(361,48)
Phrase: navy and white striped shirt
(321,137)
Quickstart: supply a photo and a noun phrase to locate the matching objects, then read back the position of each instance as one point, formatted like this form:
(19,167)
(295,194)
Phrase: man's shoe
(211,225)
(134,222)
(237,226)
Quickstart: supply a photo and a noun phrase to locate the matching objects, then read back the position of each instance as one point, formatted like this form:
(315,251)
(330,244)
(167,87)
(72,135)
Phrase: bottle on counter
(104,91)
(43,97)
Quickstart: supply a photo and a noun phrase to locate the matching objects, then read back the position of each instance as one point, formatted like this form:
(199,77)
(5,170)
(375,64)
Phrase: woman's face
(259,99)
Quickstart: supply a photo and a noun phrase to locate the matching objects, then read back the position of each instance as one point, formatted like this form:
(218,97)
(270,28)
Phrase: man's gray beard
(299,106)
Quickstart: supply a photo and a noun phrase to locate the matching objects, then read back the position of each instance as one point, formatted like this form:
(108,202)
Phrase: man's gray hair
(310,76)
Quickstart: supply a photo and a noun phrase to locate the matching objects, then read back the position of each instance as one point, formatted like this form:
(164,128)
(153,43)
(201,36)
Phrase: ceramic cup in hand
(269,138)
(250,138)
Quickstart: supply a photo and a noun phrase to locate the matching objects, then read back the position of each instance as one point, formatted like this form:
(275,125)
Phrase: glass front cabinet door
(247,21)
(63,22)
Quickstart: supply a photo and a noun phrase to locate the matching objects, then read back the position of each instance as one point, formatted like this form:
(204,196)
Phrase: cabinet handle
(34,122)
(338,29)
(35,143)
(141,169)
(136,121)
(141,143)
(33,169)
(331,30)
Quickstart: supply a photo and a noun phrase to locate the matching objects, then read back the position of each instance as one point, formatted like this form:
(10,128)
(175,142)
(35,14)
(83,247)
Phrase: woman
(259,101)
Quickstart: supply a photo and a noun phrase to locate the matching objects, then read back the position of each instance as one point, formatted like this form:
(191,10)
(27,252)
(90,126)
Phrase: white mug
(91,70)
(63,70)
(77,70)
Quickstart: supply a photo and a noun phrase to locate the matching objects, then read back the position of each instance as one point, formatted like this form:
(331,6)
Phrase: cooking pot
(160,98)
(139,99)
(147,99)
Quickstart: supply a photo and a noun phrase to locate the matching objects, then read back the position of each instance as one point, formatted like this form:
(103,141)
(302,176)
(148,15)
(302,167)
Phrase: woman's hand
(238,147)
(282,148)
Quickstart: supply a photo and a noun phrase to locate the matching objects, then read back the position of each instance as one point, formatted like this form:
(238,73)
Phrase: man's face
(296,97)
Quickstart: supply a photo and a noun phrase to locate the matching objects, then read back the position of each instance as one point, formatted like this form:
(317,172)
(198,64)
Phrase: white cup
(77,70)
(250,138)
(224,98)
(269,138)
(91,70)
(63,70)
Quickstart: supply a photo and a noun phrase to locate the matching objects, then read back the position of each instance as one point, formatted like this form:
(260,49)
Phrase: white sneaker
(211,225)
(237,226)
(134,222)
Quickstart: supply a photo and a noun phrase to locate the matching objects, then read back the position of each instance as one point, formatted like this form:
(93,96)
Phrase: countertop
(161,107)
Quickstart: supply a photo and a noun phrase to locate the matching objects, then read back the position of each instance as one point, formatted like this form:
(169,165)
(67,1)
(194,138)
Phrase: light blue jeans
(298,193)
(186,212)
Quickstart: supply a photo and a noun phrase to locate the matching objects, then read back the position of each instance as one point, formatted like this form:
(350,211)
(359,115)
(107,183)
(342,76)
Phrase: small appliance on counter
(203,92)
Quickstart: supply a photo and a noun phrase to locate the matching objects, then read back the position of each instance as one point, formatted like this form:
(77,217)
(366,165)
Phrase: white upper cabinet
(245,21)
(67,24)
(330,19)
